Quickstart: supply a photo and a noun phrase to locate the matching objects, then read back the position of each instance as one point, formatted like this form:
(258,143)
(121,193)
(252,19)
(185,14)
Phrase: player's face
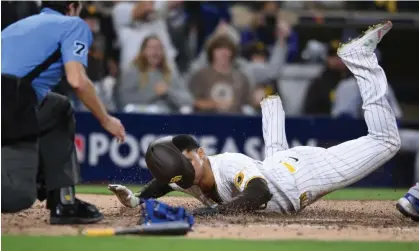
(196,157)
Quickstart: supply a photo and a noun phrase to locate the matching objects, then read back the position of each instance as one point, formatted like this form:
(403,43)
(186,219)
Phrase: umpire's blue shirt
(30,41)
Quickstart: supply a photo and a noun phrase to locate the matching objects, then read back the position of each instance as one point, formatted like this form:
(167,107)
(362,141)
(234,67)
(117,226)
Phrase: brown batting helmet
(166,162)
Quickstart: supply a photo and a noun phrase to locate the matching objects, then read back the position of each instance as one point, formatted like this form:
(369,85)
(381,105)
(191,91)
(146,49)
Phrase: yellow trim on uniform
(238,180)
(254,177)
(176,179)
(289,167)
(303,200)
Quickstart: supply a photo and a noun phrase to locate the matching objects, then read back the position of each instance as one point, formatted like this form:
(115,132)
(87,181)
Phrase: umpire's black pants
(49,162)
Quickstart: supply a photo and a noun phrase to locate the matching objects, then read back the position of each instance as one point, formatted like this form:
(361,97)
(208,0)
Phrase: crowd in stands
(206,57)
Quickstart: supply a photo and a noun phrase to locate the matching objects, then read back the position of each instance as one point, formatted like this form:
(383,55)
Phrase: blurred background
(168,66)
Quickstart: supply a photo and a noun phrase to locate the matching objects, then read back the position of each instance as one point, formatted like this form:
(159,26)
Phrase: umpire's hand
(115,127)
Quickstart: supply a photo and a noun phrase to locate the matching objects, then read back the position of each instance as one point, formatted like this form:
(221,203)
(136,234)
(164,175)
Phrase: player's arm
(254,193)
(75,45)
(85,91)
(154,190)
(129,199)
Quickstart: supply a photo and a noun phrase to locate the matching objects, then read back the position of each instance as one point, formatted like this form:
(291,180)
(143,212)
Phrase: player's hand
(124,195)
(115,127)
(206,211)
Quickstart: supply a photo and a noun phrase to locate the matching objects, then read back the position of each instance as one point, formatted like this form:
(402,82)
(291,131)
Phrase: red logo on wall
(80,144)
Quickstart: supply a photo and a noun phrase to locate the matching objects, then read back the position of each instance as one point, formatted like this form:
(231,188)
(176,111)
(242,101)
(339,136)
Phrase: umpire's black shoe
(78,213)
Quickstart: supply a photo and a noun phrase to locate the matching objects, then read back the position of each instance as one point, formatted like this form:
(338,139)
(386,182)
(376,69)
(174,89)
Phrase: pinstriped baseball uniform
(348,102)
(298,176)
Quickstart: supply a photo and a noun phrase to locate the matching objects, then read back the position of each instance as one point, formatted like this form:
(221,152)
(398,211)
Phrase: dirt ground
(324,220)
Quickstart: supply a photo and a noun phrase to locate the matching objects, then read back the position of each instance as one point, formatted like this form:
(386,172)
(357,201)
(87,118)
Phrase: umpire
(38,157)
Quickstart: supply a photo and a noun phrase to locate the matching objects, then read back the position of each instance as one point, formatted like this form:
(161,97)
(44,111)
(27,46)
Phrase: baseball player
(348,104)
(288,179)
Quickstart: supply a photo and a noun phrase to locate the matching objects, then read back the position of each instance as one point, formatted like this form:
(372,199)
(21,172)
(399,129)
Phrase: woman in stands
(149,84)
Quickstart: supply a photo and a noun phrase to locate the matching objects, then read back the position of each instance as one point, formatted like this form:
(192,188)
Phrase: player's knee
(393,143)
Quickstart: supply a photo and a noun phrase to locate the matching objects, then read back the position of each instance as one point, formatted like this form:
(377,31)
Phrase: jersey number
(80,48)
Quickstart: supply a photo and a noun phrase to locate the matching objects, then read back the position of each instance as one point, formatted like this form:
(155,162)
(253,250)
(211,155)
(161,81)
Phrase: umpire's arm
(75,45)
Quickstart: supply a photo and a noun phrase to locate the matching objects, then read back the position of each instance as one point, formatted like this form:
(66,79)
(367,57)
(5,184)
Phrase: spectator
(107,30)
(220,87)
(150,83)
(265,27)
(320,93)
(177,24)
(211,14)
(256,72)
(257,53)
(133,21)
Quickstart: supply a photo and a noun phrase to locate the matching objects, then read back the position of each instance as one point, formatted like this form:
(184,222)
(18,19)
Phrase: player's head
(69,8)
(177,159)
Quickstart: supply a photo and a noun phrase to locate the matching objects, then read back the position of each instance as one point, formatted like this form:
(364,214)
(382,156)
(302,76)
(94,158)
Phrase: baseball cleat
(409,206)
(124,195)
(78,213)
(368,39)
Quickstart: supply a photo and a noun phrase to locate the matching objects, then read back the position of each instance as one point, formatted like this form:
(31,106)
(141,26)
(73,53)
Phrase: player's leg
(344,164)
(408,205)
(273,125)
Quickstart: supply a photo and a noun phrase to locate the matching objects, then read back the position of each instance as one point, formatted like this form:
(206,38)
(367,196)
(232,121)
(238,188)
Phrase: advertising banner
(102,159)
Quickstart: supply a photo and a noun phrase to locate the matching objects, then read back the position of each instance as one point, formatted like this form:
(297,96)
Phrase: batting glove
(124,195)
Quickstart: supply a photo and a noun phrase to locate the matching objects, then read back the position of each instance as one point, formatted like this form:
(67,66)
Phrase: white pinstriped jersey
(233,171)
